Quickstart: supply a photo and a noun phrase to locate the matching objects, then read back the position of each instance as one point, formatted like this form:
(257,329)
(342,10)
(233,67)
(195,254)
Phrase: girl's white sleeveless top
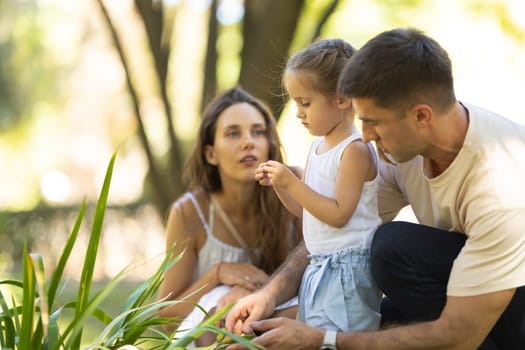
(320,175)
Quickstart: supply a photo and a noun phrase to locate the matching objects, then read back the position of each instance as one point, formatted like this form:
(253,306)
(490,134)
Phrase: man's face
(394,133)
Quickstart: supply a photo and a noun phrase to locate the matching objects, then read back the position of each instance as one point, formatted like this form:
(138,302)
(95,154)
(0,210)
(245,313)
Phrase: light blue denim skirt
(337,292)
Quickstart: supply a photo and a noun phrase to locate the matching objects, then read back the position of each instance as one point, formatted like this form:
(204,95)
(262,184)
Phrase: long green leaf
(9,317)
(53,332)
(28,302)
(59,270)
(38,263)
(75,327)
(115,328)
(91,254)
(7,333)
(149,288)
(198,331)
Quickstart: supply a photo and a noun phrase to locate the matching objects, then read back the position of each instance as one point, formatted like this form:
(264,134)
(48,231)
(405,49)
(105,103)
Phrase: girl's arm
(355,169)
(289,202)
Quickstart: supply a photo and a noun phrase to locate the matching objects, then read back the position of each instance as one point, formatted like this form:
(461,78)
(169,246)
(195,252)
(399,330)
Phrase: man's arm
(464,324)
(283,285)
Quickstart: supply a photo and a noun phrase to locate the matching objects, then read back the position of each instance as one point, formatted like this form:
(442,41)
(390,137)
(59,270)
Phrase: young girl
(233,232)
(337,199)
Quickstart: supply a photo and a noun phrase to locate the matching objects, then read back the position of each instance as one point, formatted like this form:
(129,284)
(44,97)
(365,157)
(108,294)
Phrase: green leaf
(59,270)
(28,302)
(38,263)
(198,331)
(91,254)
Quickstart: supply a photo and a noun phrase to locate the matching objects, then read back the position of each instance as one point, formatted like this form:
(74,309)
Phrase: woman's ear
(209,154)
(344,103)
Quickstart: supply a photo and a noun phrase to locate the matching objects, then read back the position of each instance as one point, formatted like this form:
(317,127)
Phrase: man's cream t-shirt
(481,194)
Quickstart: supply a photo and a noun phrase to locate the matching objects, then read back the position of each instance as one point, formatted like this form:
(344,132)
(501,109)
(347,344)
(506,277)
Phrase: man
(457,279)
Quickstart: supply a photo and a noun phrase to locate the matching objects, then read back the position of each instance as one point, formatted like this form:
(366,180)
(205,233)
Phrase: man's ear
(344,102)
(423,114)
(209,154)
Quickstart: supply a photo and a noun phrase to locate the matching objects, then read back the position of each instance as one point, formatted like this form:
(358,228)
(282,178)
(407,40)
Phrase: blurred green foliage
(28,70)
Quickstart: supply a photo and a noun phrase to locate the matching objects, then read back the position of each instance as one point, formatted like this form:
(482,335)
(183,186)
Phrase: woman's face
(241,142)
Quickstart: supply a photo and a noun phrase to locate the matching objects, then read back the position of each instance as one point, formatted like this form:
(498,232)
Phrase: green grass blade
(91,254)
(13,283)
(9,317)
(75,327)
(59,270)
(147,290)
(16,314)
(53,334)
(38,339)
(28,302)
(38,263)
(116,327)
(7,332)
(198,331)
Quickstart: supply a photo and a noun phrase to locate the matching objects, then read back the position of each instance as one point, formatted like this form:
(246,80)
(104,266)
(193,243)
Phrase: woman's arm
(182,229)
(178,280)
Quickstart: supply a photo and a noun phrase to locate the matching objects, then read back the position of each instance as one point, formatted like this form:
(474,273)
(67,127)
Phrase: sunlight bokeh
(61,155)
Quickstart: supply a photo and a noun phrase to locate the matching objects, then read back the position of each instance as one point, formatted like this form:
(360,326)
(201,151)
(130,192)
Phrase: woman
(232,232)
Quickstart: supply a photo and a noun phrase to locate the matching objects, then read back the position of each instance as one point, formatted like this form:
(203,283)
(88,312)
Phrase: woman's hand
(243,275)
(232,296)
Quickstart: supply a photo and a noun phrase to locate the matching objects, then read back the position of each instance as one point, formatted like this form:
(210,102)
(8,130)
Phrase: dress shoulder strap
(207,227)
(231,228)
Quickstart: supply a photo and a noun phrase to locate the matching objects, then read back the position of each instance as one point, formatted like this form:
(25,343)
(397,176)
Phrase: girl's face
(318,113)
(241,142)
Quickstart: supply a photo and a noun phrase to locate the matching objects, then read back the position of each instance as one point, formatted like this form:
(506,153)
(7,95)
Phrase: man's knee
(390,246)
(380,250)
(384,240)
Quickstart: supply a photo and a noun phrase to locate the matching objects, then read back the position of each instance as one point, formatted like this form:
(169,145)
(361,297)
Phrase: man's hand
(251,308)
(285,334)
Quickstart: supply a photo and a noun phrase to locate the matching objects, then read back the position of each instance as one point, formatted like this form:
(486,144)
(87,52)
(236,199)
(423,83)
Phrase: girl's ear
(209,154)
(344,102)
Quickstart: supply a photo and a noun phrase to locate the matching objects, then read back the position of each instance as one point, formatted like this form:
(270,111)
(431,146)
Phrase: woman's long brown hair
(276,227)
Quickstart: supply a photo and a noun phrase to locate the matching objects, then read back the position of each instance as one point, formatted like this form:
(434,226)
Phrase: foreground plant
(32,323)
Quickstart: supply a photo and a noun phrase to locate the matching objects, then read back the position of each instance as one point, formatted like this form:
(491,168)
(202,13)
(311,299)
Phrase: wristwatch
(329,340)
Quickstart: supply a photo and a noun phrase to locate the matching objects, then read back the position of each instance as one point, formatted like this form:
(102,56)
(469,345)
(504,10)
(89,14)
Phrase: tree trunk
(268,30)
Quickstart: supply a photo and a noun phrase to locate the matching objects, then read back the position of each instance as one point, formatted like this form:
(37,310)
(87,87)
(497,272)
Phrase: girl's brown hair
(275,224)
(322,62)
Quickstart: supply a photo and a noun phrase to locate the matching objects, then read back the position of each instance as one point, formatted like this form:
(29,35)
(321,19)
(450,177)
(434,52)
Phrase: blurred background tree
(79,79)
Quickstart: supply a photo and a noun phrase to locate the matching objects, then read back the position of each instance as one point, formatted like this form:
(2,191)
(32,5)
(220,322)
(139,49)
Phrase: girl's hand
(262,176)
(276,174)
(243,275)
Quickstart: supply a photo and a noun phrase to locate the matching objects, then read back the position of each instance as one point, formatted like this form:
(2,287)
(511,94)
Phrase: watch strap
(329,340)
